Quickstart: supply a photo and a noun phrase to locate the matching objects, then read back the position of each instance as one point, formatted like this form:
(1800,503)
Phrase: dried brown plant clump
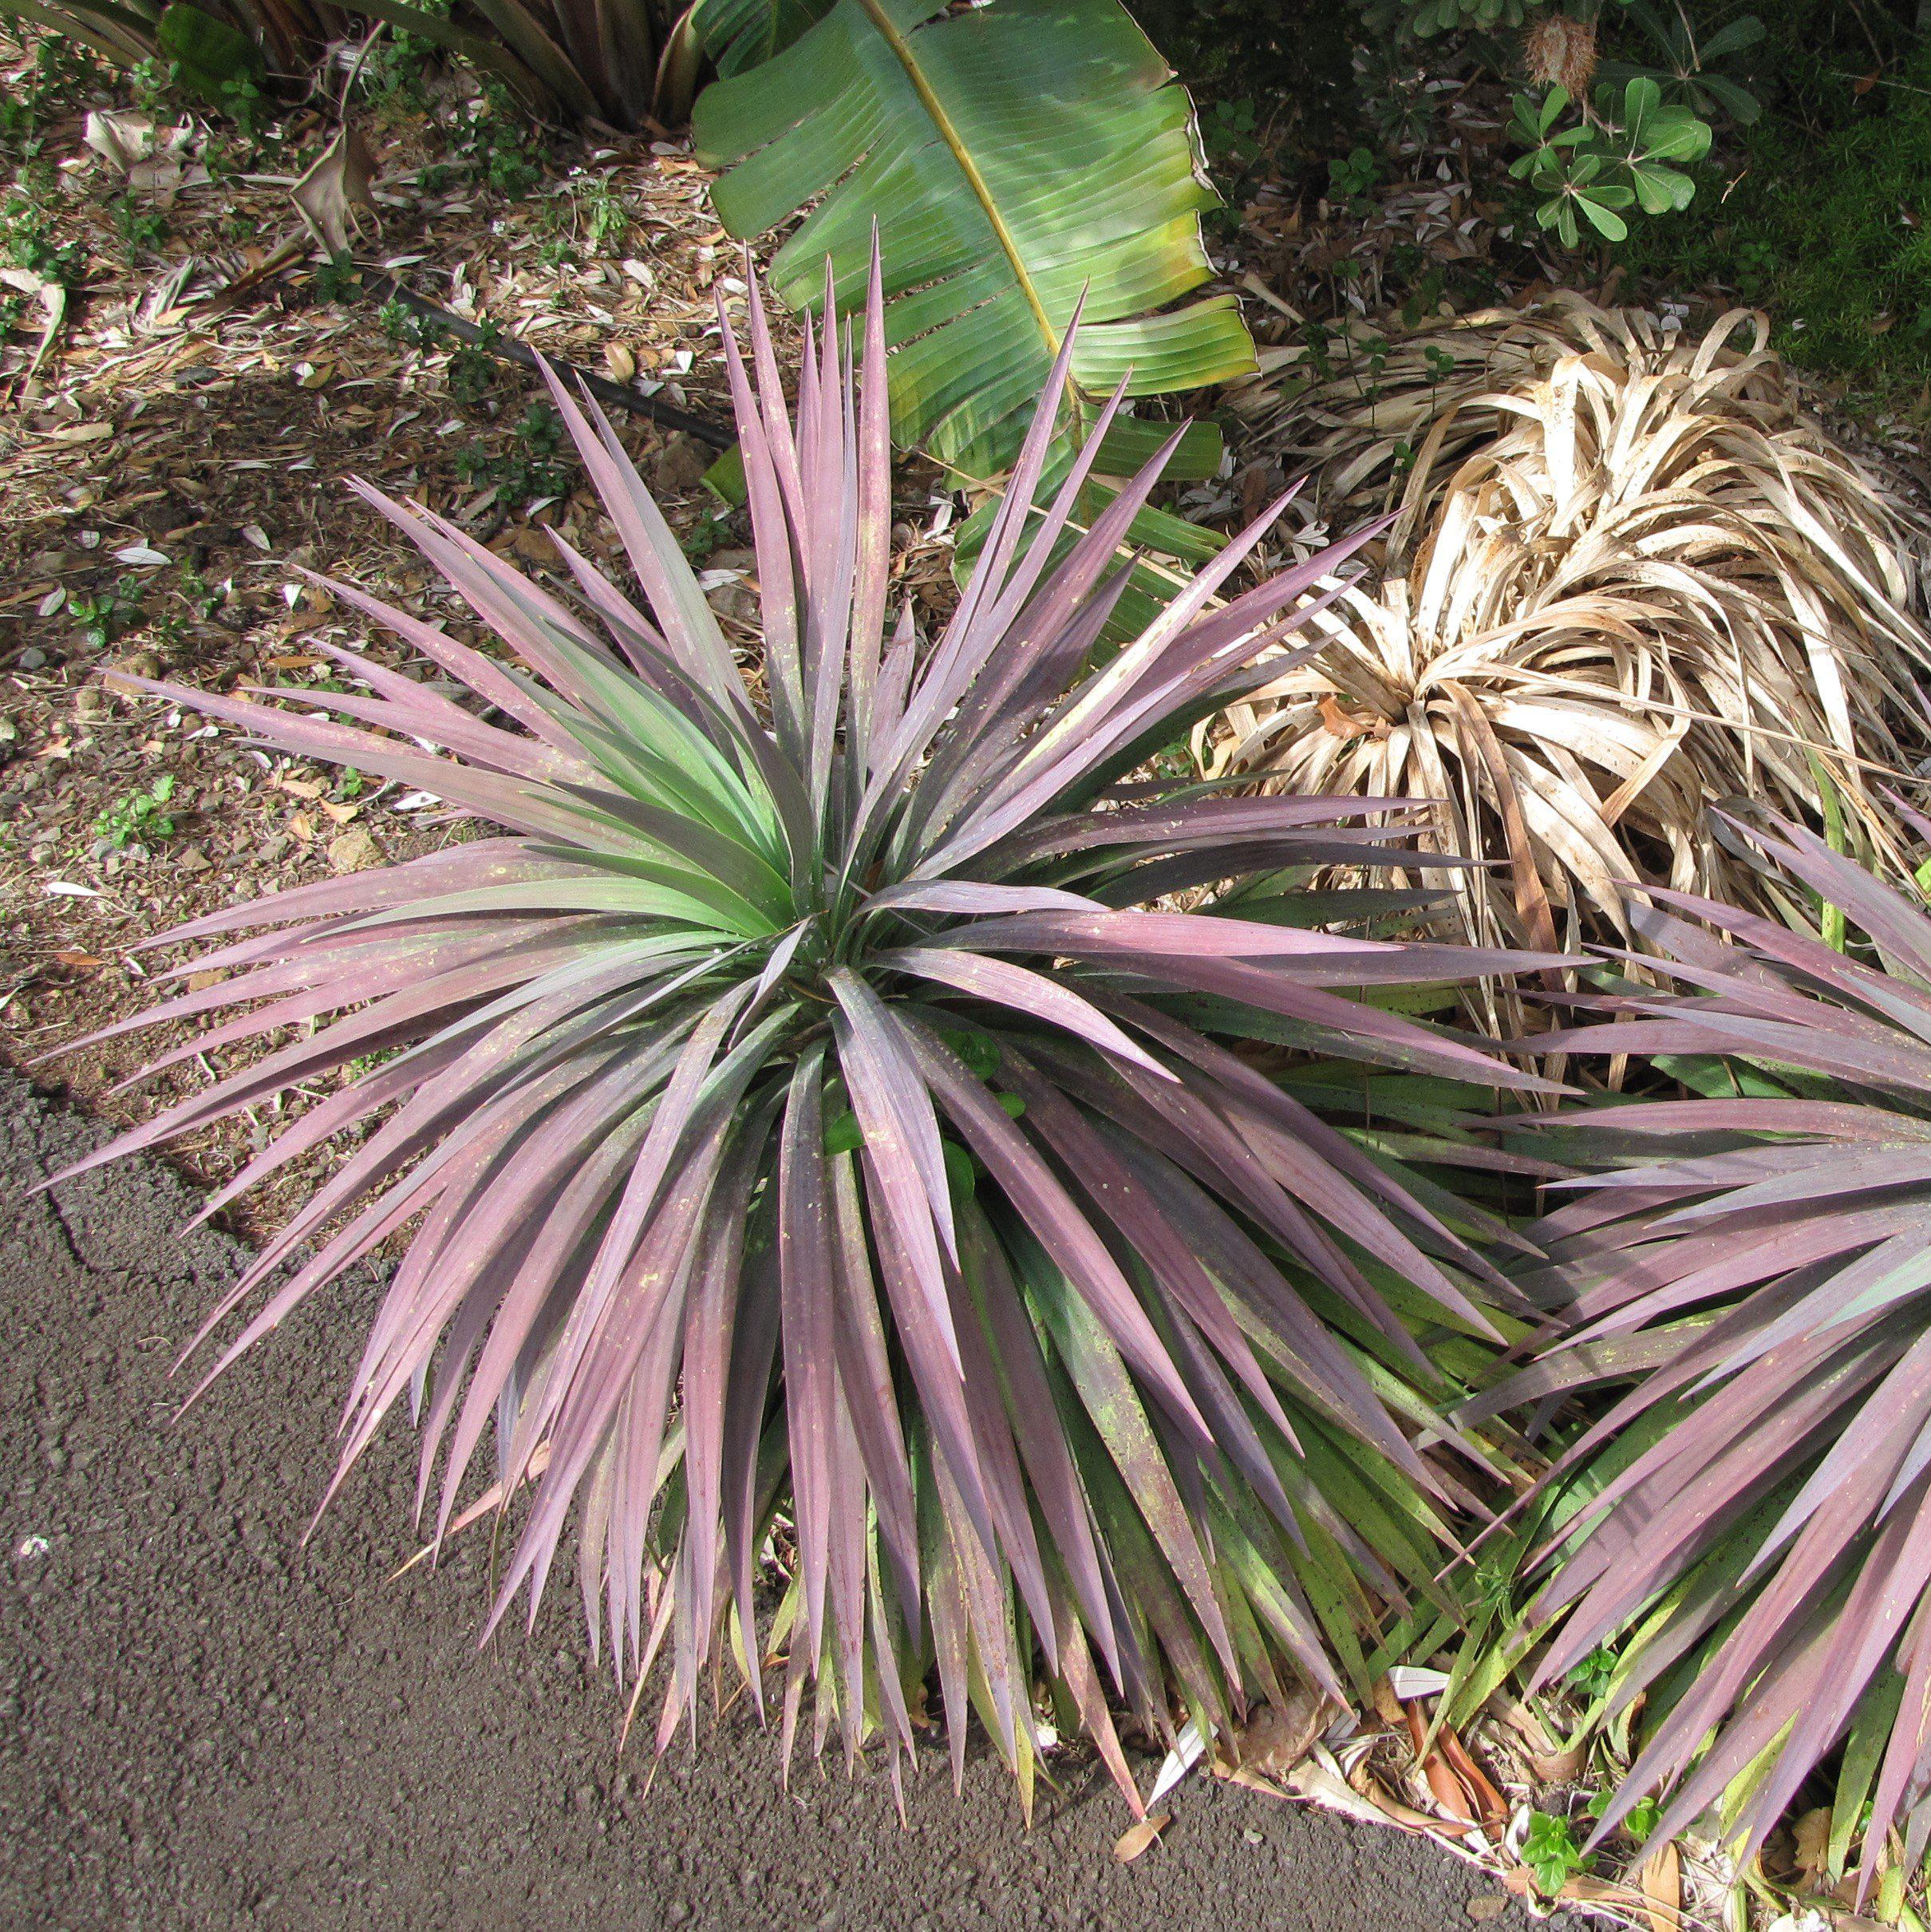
(1559,51)
(1627,577)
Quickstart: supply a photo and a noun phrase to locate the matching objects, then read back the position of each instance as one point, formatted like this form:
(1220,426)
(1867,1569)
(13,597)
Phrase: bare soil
(206,1723)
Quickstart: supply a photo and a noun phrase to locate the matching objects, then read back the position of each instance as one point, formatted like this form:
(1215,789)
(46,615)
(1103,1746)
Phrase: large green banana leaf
(1012,155)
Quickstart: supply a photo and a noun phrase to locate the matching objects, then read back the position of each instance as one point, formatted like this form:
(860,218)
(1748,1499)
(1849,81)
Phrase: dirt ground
(204,1724)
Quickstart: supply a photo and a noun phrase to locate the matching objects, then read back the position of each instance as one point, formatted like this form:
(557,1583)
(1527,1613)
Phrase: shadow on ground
(204,1725)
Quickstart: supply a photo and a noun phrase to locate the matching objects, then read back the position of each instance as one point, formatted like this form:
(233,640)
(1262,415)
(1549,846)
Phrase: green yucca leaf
(802,1126)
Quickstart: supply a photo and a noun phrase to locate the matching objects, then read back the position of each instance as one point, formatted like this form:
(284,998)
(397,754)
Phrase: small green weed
(400,322)
(1230,129)
(1639,1822)
(65,74)
(153,83)
(496,144)
(1590,1678)
(473,370)
(700,539)
(1352,180)
(590,219)
(103,617)
(27,237)
(250,109)
(1394,101)
(1586,174)
(337,279)
(394,74)
(200,596)
(142,226)
(1549,1850)
(141,818)
(410,327)
(532,465)
(603,215)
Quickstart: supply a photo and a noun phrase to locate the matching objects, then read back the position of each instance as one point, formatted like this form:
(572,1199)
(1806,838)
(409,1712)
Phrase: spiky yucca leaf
(1627,576)
(1754,1533)
(825,1078)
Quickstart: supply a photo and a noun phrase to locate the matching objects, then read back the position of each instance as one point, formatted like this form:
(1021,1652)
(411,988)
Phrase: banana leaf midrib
(1016,159)
(955,145)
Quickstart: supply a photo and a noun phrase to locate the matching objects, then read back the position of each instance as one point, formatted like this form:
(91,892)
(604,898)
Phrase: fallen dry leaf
(1662,1883)
(1278,1737)
(1489,1802)
(1385,1801)
(119,136)
(1547,1758)
(51,294)
(1579,1888)
(327,196)
(1138,1838)
(1337,722)
(1812,1833)
(1446,1787)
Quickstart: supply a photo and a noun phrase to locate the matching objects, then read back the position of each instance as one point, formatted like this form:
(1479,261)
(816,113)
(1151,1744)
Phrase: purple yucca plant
(805,1136)
(1751,1521)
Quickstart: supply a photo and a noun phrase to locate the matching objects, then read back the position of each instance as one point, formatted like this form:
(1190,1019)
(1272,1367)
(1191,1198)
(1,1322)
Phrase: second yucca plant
(812,1148)
(1745,1514)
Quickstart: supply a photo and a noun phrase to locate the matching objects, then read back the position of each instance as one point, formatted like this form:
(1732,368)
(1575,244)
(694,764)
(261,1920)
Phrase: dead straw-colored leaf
(1661,1879)
(329,194)
(1141,1837)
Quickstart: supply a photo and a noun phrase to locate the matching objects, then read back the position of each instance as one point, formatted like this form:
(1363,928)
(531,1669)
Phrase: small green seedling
(1549,1850)
(104,617)
(139,818)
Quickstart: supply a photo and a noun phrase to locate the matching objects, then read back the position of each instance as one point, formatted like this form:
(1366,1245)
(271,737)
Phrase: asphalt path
(206,1723)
